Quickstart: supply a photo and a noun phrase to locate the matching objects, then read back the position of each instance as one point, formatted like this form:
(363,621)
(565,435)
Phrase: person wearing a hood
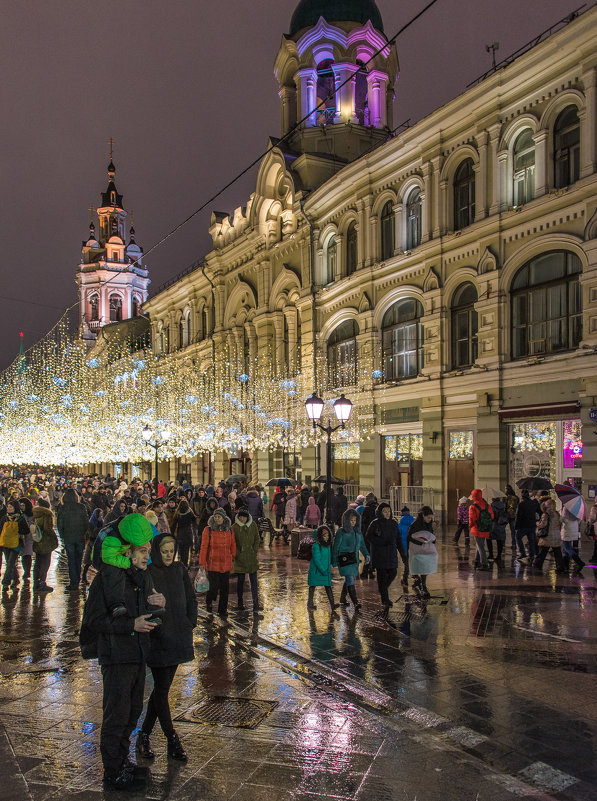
(320,567)
(422,550)
(162,524)
(570,534)
(119,510)
(480,518)
(13,530)
(385,541)
(223,501)
(549,536)
(170,509)
(498,530)
(254,503)
(348,543)
(44,520)
(511,502)
(405,522)
(367,517)
(198,502)
(290,509)
(359,505)
(462,520)
(96,524)
(72,522)
(312,516)
(210,507)
(183,528)
(339,505)
(171,644)
(218,549)
(246,536)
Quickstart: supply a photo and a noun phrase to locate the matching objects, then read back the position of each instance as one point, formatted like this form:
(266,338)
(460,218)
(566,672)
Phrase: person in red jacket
(218,549)
(480,517)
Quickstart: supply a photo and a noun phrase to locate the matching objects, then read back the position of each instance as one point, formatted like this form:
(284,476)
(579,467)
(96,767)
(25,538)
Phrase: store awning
(549,410)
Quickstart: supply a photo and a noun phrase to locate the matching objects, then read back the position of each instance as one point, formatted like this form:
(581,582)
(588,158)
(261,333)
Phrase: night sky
(187,91)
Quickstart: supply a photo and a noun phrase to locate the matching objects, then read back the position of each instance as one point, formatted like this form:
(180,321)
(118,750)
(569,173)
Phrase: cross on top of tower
(111,142)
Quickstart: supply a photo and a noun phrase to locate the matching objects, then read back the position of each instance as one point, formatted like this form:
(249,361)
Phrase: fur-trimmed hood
(225,526)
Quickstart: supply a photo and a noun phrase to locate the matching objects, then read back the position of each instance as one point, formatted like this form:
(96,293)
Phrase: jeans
(40,568)
(481,557)
(219,583)
(158,707)
(385,576)
(240,587)
(74,554)
(10,573)
(529,533)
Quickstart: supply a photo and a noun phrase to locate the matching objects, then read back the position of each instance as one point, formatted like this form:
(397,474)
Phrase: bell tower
(112,279)
(336,98)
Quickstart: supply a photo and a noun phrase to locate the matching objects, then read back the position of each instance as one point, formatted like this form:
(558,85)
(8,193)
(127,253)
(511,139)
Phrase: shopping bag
(201,580)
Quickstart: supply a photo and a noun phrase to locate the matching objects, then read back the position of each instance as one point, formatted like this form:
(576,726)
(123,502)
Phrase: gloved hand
(367,560)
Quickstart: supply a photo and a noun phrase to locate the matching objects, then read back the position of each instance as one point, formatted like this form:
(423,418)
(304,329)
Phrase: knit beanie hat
(135,529)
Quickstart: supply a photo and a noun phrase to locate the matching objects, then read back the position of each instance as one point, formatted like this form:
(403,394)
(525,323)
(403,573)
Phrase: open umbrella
(280,482)
(534,483)
(323,479)
(571,500)
(490,493)
(236,479)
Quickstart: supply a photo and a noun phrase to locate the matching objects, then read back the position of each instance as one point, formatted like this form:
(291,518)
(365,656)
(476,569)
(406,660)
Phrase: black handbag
(346,559)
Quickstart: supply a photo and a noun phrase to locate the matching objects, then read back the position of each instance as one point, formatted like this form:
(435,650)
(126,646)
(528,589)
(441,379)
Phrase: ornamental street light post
(342,408)
(148,436)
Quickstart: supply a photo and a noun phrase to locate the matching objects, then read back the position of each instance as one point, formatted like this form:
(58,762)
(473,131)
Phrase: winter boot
(330,596)
(343,600)
(311,601)
(175,749)
(353,597)
(144,746)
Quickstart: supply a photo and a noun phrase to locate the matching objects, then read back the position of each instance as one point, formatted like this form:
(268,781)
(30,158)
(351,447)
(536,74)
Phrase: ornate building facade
(456,258)
(112,280)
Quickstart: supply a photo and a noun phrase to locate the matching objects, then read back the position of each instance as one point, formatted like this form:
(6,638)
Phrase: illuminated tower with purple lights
(336,72)
(113,282)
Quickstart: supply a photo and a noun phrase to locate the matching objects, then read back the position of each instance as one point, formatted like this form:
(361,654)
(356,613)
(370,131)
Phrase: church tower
(113,282)
(336,100)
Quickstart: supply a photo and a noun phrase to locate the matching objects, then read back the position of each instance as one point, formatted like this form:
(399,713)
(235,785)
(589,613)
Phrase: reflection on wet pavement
(484,692)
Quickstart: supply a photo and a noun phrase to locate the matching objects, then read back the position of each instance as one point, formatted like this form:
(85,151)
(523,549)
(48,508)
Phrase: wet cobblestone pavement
(485,692)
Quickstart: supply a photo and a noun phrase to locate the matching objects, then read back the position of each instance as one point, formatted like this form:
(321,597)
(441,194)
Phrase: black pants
(122,705)
(219,583)
(385,576)
(183,552)
(543,551)
(40,568)
(240,587)
(158,707)
(26,560)
(500,547)
(462,527)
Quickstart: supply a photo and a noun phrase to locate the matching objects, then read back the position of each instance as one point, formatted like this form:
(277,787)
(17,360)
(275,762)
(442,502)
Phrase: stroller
(266,528)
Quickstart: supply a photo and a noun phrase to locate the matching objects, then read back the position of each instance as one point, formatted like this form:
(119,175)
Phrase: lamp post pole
(342,408)
(148,436)
(155,445)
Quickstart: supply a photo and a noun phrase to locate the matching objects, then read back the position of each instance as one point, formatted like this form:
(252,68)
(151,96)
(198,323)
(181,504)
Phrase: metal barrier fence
(351,491)
(413,497)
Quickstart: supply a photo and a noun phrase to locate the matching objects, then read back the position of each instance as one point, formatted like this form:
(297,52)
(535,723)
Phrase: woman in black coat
(171,643)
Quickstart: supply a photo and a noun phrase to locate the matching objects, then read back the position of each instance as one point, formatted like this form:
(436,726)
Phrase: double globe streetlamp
(342,409)
(159,438)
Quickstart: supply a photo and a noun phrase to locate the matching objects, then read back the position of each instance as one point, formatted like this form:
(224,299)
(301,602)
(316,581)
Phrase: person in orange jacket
(218,549)
(480,517)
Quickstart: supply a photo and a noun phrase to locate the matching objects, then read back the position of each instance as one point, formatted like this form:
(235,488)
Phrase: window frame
(414,222)
(524,175)
(342,354)
(352,248)
(567,158)
(391,334)
(458,309)
(464,213)
(387,233)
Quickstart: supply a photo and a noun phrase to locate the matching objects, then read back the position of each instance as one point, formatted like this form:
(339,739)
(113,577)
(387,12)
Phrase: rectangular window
(461,445)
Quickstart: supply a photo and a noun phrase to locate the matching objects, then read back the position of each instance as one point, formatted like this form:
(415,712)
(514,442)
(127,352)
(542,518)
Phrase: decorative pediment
(487,263)
(432,281)
(591,227)
(365,303)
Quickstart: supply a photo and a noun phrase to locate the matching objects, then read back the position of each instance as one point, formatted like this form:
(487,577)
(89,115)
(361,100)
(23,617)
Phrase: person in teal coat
(320,567)
(349,541)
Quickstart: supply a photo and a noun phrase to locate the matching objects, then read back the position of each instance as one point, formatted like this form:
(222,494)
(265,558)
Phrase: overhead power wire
(255,161)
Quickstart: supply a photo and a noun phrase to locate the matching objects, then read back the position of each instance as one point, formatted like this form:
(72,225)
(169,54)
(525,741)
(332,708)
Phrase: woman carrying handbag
(348,542)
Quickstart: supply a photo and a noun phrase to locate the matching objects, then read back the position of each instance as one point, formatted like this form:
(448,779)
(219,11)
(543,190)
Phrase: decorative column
(481,177)
(345,102)
(291,314)
(377,82)
(399,228)
(425,202)
(497,196)
(438,199)
(374,239)
(287,96)
(252,337)
(340,257)
(306,83)
(540,139)
(588,125)
(278,321)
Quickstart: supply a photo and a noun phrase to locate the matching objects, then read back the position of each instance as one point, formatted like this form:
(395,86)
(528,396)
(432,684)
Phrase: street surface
(484,693)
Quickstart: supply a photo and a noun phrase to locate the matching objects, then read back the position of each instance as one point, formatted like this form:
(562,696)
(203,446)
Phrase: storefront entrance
(461,469)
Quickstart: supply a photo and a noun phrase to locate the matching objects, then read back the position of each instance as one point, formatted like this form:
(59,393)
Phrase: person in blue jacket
(405,522)
(320,567)
(348,542)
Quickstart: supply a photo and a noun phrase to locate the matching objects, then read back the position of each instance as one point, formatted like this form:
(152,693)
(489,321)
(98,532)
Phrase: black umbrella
(323,479)
(534,483)
(236,479)
(281,482)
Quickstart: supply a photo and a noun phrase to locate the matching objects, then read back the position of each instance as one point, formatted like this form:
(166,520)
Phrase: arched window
(326,98)
(413,219)
(464,195)
(342,354)
(523,164)
(330,261)
(205,322)
(94,308)
(351,249)
(181,333)
(566,148)
(115,308)
(547,305)
(388,227)
(402,340)
(464,326)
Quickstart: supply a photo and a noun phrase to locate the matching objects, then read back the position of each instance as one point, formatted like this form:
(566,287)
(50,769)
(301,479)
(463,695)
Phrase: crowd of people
(132,544)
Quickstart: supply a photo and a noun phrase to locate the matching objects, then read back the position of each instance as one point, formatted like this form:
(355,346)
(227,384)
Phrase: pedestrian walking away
(462,519)
(246,536)
(480,522)
(385,543)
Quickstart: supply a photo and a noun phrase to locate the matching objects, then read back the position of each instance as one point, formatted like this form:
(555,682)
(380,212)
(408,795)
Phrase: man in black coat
(121,645)
(527,514)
